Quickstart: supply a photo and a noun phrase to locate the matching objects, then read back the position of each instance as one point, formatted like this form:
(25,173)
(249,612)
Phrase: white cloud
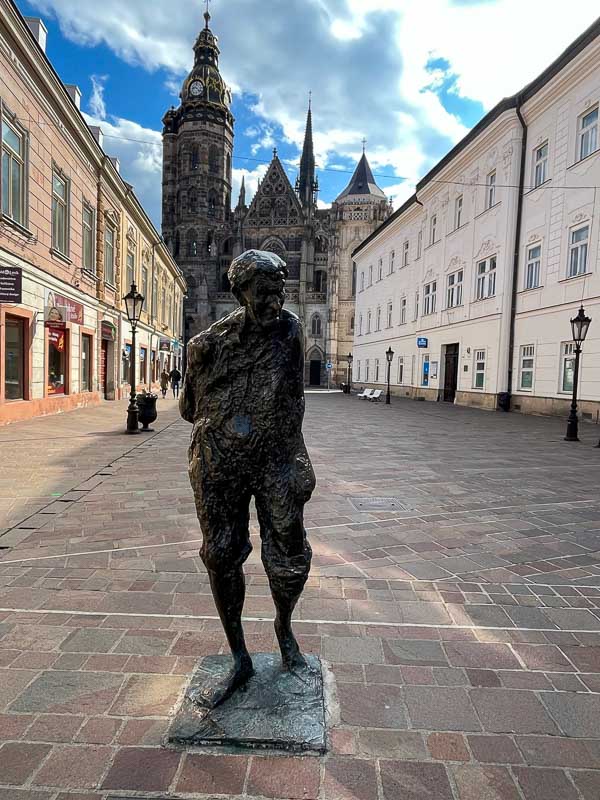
(97,104)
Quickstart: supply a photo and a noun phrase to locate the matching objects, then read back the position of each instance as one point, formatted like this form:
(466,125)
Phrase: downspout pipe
(517,251)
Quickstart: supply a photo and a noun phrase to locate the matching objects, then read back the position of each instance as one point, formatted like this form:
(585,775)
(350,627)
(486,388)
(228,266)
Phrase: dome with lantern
(204,84)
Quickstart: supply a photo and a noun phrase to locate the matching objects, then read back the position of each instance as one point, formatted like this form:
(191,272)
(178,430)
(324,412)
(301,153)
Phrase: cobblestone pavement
(455,595)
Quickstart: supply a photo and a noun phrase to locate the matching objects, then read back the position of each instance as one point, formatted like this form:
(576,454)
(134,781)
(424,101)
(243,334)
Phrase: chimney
(74,94)
(39,30)
(116,163)
(97,134)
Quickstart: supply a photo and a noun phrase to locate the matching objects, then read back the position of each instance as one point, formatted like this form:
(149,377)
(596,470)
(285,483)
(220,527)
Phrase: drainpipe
(515,284)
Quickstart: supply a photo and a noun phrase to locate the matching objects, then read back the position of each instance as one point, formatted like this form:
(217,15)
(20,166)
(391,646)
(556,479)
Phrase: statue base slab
(275,710)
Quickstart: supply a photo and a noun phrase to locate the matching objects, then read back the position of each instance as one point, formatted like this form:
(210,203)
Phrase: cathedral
(205,233)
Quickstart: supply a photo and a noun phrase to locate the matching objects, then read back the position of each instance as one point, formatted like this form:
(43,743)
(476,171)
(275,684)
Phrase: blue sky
(410,76)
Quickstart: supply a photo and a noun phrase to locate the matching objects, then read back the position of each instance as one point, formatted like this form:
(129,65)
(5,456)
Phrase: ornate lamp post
(134,303)
(390,357)
(579,328)
(350,359)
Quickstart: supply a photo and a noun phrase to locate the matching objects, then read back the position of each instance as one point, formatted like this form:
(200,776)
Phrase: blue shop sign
(422,341)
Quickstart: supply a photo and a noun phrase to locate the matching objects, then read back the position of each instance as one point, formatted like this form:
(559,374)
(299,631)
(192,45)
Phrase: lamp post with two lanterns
(134,303)
(579,327)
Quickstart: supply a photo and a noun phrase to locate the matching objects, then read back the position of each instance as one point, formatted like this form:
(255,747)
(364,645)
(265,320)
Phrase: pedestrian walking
(175,377)
(164,382)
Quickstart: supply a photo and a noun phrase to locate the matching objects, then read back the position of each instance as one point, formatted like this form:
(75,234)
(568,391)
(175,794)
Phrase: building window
(401,370)
(367,368)
(154,297)
(360,324)
(479,370)
(357,374)
(88,255)
(429,297)
(369,322)
(458,208)
(526,367)
(405,249)
(87,362)
(109,254)
(195,157)
(540,165)
(490,189)
(315,327)
(416,317)
(534,260)
(14,155)
(378,319)
(403,311)
(163,306)
(419,243)
(376,370)
(362,281)
(433,229)
(60,213)
(57,361)
(392,261)
(14,359)
(486,278)
(143,365)
(144,287)
(455,289)
(380,269)
(352,323)
(389,315)
(567,367)
(588,133)
(354,279)
(371,275)
(130,277)
(578,251)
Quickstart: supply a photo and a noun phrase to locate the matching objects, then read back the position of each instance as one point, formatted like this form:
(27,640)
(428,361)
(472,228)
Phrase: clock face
(196,88)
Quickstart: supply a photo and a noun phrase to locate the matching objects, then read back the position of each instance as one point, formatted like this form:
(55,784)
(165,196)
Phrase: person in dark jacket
(175,377)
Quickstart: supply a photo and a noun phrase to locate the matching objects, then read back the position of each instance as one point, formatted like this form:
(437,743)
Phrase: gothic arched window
(213,158)
(212,203)
(320,281)
(193,202)
(228,175)
(192,244)
(195,157)
(315,325)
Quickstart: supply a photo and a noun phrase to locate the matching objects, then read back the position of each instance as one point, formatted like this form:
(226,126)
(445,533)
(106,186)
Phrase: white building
(473,281)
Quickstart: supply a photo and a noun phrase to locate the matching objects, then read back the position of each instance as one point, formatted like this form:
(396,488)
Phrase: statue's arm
(187,399)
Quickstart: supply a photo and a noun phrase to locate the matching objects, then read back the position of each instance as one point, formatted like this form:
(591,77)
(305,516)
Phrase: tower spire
(306,180)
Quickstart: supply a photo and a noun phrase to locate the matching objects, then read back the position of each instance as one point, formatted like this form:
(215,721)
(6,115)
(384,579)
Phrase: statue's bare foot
(291,657)
(220,689)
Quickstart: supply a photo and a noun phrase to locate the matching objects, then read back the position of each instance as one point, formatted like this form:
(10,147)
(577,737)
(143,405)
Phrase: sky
(409,76)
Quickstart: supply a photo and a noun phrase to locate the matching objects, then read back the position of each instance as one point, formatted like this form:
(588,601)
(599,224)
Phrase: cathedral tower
(196,207)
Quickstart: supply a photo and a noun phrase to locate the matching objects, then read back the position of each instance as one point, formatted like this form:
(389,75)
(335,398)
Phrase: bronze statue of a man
(244,393)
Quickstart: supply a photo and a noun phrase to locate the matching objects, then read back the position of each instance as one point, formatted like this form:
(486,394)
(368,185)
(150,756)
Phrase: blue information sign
(422,341)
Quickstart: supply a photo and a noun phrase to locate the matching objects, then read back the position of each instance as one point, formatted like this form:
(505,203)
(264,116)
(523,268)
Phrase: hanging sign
(165,346)
(422,341)
(108,331)
(11,285)
(73,309)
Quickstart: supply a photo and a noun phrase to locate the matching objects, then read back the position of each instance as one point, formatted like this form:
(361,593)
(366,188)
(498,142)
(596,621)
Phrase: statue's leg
(286,556)
(223,512)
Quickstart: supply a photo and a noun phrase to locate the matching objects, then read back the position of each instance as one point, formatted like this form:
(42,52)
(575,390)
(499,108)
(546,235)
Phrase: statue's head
(257,280)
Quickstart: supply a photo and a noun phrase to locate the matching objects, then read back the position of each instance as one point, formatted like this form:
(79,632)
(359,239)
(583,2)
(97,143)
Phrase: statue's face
(264,297)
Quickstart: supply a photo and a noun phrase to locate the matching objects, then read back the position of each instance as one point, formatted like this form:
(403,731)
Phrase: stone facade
(204,233)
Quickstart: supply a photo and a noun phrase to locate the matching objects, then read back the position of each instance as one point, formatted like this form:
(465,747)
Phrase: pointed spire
(306,178)
(242,197)
(362,182)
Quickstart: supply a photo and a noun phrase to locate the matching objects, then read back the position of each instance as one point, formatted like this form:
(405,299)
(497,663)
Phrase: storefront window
(143,364)
(125,364)
(86,363)
(14,359)
(57,361)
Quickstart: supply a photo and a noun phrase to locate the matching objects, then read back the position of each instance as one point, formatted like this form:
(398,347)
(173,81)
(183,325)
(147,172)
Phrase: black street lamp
(390,357)
(579,328)
(350,359)
(134,303)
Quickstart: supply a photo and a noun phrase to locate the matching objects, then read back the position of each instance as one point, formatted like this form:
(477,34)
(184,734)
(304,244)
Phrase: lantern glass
(134,303)
(389,355)
(350,359)
(579,326)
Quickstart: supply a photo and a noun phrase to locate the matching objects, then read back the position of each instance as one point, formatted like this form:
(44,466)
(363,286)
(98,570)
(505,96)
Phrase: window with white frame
(403,311)
(362,281)
(378,319)
(376,370)
(588,133)
(380,269)
(367,370)
(419,243)
(533,267)
(357,373)
(392,261)
(433,229)
(130,275)
(401,369)
(490,190)
(526,365)
(429,297)
(486,278)
(369,316)
(416,306)
(14,160)
(370,276)
(109,254)
(567,367)
(405,250)
(458,209)
(88,260)
(60,213)
(390,309)
(360,324)
(540,164)
(454,291)
(578,251)
(479,369)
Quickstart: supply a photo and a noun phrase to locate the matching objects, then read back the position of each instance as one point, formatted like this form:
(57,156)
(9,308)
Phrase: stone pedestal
(276,710)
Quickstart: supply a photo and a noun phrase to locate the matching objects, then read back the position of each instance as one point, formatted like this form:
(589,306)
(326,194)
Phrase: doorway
(450,372)
(315,373)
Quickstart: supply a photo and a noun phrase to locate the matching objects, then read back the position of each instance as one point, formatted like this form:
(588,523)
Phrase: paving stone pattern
(462,627)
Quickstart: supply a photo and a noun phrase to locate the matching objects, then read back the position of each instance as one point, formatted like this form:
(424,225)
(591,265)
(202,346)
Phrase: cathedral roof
(362,183)
(306,179)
